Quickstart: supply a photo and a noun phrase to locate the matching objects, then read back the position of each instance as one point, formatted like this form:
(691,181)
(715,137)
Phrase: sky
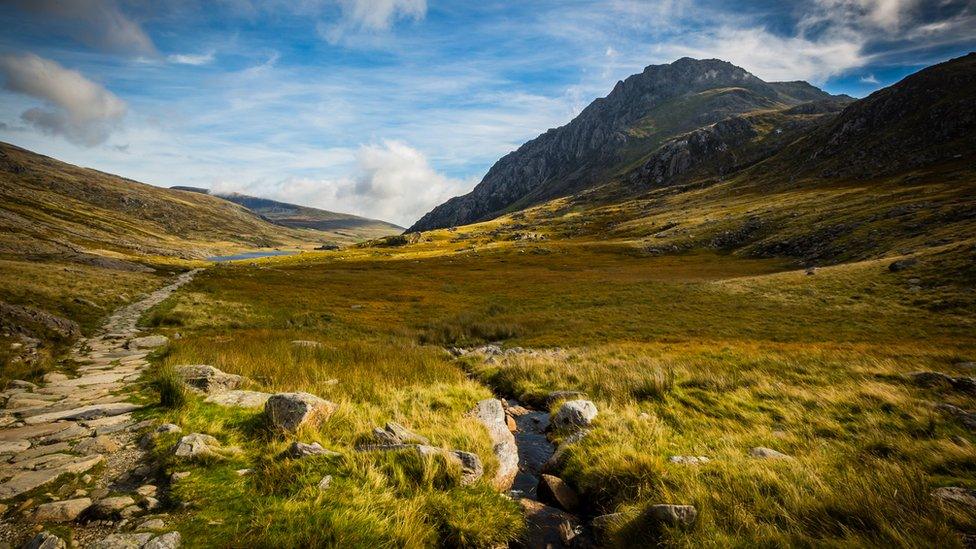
(386,108)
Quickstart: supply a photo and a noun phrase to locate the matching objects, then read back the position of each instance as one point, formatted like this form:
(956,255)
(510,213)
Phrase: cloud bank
(390,181)
(82,111)
(99,24)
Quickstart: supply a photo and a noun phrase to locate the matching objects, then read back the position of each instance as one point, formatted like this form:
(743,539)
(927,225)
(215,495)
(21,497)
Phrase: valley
(710,311)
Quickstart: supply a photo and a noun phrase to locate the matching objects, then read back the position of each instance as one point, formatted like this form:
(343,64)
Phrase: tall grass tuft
(173,392)
(655,385)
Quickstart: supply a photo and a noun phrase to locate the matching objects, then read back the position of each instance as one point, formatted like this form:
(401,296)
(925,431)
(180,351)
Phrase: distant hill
(51,209)
(621,131)
(304,217)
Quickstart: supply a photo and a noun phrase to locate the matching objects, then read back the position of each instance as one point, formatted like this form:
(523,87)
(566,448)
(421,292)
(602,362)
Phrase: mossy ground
(694,354)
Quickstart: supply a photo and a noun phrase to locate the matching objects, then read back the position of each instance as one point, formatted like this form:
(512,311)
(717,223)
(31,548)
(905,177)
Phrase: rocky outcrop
(196,445)
(927,117)
(767,453)
(290,411)
(668,515)
(207,379)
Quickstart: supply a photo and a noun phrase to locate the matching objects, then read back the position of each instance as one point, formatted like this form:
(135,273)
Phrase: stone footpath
(68,448)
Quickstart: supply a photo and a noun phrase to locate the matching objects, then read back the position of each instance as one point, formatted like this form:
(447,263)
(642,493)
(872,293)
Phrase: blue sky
(386,108)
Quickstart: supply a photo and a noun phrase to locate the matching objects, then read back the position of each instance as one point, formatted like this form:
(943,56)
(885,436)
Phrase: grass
(695,354)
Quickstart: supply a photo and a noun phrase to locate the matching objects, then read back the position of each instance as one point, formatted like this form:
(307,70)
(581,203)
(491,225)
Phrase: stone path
(70,442)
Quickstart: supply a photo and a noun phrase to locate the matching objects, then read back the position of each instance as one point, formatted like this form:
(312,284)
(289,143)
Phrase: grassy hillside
(53,206)
(76,243)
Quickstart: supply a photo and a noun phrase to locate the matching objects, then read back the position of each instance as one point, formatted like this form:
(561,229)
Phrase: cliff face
(641,113)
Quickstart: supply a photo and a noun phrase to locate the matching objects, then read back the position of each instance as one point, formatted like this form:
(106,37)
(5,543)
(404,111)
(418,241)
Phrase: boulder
(196,445)
(602,525)
(147,342)
(170,540)
(554,490)
(394,433)
(152,525)
(240,399)
(289,411)
(491,414)
(574,414)
(123,541)
(61,511)
(549,527)
(965,418)
(682,516)
(955,495)
(298,450)
(471,467)
(902,264)
(557,396)
(767,453)
(111,507)
(168,428)
(45,540)
(207,379)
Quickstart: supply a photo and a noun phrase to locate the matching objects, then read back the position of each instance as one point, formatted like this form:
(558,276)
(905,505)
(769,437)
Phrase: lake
(251,255)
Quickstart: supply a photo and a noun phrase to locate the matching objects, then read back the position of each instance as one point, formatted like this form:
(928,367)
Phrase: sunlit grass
(699,354)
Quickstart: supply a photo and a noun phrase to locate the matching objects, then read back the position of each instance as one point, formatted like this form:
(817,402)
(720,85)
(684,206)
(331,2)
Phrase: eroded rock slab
(491,413)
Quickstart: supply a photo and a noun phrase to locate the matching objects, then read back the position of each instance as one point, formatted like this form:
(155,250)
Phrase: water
(251,255)
(534,450)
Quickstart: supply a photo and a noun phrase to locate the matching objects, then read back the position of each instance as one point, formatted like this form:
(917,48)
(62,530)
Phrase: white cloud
(191,59)
(82,111)
(773,57)
(390,181)
(869,79)
(371,15)
(96,23)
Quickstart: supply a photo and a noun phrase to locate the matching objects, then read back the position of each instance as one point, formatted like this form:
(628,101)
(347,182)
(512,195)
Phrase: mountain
(616,133)
(823,182)
(304,217)
(54,209)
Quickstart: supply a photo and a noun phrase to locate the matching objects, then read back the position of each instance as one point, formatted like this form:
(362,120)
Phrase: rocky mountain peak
(637,116)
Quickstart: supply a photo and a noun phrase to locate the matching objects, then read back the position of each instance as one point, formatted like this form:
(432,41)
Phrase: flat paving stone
(92,411)
(31,480)
(32,431)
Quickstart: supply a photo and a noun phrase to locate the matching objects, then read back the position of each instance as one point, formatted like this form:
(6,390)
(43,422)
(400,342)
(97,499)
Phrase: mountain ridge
(640,113)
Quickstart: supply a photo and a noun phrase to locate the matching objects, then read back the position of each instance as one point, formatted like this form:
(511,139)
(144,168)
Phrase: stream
(534,449)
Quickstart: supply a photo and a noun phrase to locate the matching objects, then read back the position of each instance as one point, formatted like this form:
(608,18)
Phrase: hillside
(50,207)
(305,217)
(615,133)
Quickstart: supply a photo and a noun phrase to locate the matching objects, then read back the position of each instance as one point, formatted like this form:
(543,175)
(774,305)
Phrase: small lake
(251,255)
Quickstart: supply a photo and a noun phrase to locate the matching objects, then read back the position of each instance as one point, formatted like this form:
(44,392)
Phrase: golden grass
(699,354)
